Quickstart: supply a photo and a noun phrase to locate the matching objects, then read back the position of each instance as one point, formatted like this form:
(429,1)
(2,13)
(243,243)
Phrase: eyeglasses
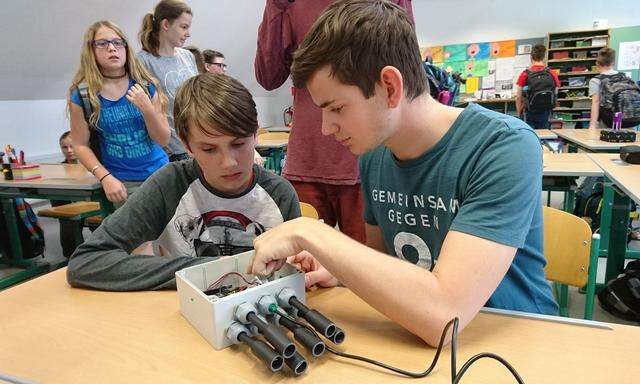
(104,43)
(220,65)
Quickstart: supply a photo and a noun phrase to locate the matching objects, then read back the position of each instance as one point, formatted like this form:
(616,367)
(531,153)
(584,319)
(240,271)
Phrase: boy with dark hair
(214,61)
(212,205)
(536,91)
(458,186)
(612,91)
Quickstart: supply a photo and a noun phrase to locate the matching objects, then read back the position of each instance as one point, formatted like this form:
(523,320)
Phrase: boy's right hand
(315,273)
(114,189)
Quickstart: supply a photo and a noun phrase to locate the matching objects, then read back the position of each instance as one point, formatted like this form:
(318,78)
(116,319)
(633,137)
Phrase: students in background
(458,186)
(67,240)
(536,92)
(198,56)
(125,113)
(162,36)
(214,61)
(323,171)
(212,205)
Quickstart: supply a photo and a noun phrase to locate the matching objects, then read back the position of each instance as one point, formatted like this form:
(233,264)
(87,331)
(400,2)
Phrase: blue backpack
(443,86)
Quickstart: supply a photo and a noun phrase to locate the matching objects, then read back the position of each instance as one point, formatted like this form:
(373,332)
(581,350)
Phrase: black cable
(455,377)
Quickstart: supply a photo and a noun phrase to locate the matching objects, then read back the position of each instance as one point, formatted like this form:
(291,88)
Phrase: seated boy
(212,205)
(454,194)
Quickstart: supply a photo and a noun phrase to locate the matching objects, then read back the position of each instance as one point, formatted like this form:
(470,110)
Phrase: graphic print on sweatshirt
(205,224)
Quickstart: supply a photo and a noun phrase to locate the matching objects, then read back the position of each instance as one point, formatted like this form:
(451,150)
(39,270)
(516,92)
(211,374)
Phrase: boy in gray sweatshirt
(199,209)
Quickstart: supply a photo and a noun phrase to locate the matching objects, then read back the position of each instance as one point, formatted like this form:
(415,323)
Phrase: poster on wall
(629,55)
(503,48)
(457,52)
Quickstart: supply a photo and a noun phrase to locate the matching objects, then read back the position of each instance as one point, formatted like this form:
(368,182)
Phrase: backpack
(442,86)
(29,231)
(621,296)
(541,90)
(87,110)
(618,93)
(588,201)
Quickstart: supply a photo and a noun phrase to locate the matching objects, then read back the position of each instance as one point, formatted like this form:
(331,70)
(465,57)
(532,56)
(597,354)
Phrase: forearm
(89,160)
(100,265)
(595,114)
(157,126)
(409,295)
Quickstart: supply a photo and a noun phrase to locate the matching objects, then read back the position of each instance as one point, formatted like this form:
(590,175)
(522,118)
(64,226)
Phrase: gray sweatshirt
(171,72)
(191,220)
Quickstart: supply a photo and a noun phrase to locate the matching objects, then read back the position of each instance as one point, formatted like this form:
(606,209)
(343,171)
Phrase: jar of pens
(16,168)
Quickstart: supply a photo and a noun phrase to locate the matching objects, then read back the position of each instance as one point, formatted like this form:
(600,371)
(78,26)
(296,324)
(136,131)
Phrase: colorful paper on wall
(503,48)
(456,52)
(478,68)
(478,51)
(455,66)
(436,53)
(472,84)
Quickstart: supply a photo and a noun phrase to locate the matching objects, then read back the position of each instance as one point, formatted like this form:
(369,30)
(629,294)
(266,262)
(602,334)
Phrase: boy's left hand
(138,97)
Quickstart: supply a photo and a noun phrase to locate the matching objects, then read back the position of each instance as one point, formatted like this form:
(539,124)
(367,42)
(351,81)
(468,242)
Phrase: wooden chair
(307,210)
(75,213)
(571,251)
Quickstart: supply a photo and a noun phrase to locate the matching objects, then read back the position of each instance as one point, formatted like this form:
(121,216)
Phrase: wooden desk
(589,140)
(273,148)
(622,181)
(52,333)
(60,182)
(569,164)
(545,134)
(560,173)
(278,129)
(500,105)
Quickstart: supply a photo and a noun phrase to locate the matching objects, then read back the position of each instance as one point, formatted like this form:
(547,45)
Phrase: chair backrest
(307,210)
(567,246)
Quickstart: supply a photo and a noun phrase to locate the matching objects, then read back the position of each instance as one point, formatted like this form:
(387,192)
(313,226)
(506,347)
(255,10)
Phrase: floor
(576,299)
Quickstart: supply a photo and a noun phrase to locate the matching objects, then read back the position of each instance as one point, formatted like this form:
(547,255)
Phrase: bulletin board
(490,68)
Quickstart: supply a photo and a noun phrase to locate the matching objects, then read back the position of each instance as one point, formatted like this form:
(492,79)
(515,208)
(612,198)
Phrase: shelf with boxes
(572,55)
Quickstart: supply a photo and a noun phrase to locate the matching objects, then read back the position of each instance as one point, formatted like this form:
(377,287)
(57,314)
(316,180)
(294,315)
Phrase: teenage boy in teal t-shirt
(458,186)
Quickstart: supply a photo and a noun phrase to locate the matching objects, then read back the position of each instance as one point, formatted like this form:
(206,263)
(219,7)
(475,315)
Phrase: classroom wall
(41,40)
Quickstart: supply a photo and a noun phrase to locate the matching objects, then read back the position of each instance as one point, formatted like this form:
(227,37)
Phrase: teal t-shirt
(482,178)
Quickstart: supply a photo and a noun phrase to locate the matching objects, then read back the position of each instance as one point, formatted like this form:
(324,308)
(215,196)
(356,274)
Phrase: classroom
(320,191)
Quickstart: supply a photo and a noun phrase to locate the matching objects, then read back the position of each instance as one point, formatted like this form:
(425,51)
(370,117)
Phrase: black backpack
(588,200)
(621,296)
(618,93)
(541,92)
(87,110)
(29,231)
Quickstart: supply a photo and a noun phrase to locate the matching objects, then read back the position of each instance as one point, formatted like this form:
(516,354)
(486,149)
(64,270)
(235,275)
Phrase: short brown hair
(209,55)
(537,52)
(215,101)
(606,57)
(358,38)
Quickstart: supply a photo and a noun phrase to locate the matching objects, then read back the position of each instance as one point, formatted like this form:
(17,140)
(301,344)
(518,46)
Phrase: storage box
(577,81)
(557,44)
(579,68)
(599,41)
(583,43)
(560,55)
(580,55)
(26,171)
(617,136)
